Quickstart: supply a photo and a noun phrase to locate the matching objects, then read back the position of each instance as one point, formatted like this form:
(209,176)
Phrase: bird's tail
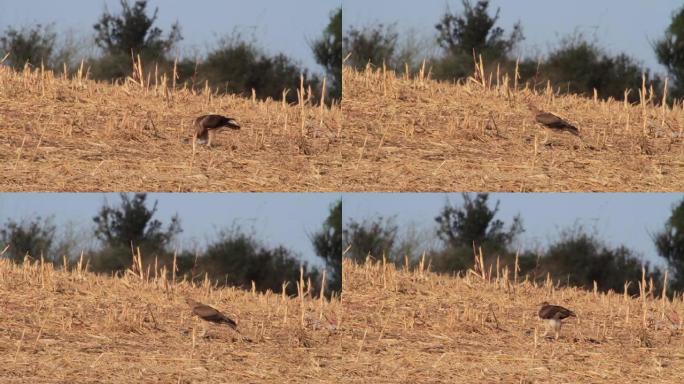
(230,322)
(572,129)
(231,123)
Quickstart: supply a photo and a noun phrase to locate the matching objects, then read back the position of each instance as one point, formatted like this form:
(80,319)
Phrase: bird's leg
(546,138)
(557,327)
(546,328)
(210,135)
(194,143)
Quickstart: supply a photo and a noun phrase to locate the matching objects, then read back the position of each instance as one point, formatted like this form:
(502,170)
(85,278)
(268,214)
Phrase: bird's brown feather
(211,314)
(551,121)
(557,312)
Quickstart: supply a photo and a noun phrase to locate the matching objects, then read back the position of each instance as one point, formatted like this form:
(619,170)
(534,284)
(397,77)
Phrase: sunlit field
(417,326)
(62,133)
(409,133)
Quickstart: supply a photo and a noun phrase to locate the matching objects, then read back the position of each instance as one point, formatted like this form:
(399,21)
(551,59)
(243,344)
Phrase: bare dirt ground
(414,134)
(419,327)
(75,327)
(60,134)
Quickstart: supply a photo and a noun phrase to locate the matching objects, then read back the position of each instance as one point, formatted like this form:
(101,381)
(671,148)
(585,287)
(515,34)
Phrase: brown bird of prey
(552,121)
(553,315)
(207,125)
(210,314)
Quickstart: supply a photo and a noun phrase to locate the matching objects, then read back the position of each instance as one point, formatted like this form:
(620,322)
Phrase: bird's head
(533,108)
(543,303)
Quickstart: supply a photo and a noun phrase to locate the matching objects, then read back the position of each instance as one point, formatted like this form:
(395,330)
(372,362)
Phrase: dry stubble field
(59,134)
(390,326)
(415,134)
(66,327)
(419,327)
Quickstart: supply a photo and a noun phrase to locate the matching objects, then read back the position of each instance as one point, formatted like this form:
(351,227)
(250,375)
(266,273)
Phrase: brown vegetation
(59,134)
(417,326)
(415,134)
(74,326)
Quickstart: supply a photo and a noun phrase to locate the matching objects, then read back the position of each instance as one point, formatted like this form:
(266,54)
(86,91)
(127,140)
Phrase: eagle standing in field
(552,121)
(553,315)
(207,125)
(210,314)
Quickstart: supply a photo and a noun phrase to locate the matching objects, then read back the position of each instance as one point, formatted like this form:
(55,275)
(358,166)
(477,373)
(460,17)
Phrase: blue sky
(277,218)
(279,26)
(620,25)
(289,218)
(618,218)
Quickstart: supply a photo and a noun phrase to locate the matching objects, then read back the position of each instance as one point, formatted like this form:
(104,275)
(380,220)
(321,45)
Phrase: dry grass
(426,328)
(414,134)
(59,134)
(70,327)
